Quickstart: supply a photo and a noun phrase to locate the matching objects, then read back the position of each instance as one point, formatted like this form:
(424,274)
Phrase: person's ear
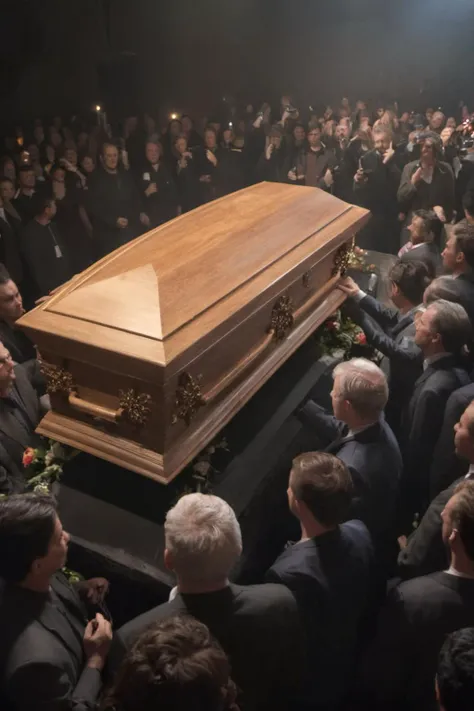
(168,559)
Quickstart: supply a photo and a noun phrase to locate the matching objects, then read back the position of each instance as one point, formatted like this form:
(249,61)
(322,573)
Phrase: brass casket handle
(90,408)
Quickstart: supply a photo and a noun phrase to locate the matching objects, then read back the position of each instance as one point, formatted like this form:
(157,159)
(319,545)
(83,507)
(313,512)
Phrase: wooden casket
(153,349)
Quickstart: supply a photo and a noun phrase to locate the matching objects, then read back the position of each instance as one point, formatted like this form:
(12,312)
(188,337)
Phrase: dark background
(66,55)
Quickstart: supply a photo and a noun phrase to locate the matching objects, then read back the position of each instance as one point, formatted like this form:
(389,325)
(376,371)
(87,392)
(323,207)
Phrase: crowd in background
(373,606)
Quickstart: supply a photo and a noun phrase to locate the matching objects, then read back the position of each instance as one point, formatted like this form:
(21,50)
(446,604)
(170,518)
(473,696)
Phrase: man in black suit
(51,657)
(442,331)
(424,552)
(10,254)
(458,260)
(446,466)
(329,571)
(20,413)
(400,668)
(392,331)
(257,626)
(23,202)
(421,247)
(360,436)
(11,309)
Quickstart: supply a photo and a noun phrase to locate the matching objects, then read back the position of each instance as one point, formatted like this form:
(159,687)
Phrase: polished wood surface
(195,298)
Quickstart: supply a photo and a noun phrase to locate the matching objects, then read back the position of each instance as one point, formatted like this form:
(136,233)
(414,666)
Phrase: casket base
(165,467)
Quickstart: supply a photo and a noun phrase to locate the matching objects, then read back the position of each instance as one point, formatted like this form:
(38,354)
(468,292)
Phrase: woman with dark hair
(71,219)
(175,664)
(428,183)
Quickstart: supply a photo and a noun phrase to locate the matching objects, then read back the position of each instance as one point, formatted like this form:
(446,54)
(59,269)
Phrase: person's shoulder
(266,597)
(357,532)
(422,590)
(130,630)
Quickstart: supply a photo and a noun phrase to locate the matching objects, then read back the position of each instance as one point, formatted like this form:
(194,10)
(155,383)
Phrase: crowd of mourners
(372,606)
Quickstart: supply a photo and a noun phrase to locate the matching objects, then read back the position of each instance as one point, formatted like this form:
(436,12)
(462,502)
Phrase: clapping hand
(389,153)
(211,158)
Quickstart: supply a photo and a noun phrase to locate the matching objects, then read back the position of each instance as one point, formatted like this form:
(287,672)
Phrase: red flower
(361,339)
(28,456)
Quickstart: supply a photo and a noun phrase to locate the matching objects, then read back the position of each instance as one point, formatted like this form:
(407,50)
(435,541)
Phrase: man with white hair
(359,435)
(442,331)
(257,626)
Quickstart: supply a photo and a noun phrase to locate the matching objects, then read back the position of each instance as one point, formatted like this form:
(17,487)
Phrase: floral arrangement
(358,261)
(44,465)
(339,335)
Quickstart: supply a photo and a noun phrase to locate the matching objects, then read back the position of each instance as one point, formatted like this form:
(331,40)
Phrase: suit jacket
(41,655)
(464,284)
(423,421)
(257,626)
(446,466)
(330,577)
(10,254)
(393,334)
(428,253)
(425,551)
(401,666)
(15,438)
(374,460)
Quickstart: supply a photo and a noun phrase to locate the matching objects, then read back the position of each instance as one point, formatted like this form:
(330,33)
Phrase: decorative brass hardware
(58,380)
(135,407)
(282,318)
(343,258)
(188,399)
(306,280)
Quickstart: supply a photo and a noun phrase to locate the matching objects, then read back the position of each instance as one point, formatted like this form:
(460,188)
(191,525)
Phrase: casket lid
(155,286)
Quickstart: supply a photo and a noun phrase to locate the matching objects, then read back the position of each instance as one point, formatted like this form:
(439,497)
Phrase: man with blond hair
(257,626)
(359,435)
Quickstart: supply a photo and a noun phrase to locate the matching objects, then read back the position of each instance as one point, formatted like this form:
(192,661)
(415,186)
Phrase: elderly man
(51,656)
(442,332)
(401,666)
(258,626)
(329,571)
(359,435)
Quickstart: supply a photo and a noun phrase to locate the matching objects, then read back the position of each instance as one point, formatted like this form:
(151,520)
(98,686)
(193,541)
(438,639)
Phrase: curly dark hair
(175,664)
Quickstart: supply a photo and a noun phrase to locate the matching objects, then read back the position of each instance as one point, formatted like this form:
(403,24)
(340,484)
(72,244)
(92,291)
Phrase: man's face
(88,164)
(463,440)
(152,153)
(9,170)
(275,141)
(71,156)
(381,142)
(415,229)
(429,114)
(11,303)
(451,122)
(299,134)
(451,257)
(427,150)
(227,135)
(424,335)
(111,157)
(181,145)
(59,175)
(7,190)
(7,374)
(314,138)
(437,121)
(344,129)
(27,179)
(380,111)
(210,140)
(56,554)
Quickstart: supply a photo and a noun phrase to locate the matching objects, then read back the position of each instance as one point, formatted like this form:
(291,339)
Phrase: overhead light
(173,117)
(97,108)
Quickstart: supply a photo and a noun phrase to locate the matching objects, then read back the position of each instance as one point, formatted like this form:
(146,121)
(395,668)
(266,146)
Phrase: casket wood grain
(152,350)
